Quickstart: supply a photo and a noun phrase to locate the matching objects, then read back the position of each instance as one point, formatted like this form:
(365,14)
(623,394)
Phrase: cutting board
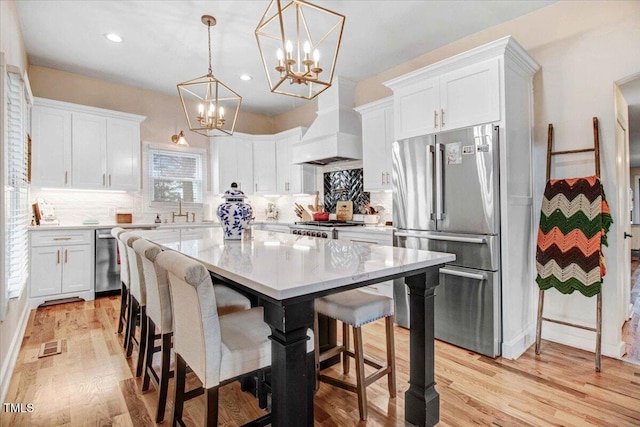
(344,210)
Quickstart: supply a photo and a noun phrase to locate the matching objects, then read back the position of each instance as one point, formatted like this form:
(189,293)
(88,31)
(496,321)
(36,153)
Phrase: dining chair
(124,280)
(357,308)
(218,349)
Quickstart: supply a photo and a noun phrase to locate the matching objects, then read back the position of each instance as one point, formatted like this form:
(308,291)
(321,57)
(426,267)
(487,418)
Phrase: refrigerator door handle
(434,185)
(478,240)
(440,213)
(475,276)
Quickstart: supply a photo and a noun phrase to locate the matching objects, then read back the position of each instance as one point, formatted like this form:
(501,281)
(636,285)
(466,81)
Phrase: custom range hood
(336,133)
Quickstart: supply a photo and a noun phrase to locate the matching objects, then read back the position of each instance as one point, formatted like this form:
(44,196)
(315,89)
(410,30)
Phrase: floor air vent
(50,348)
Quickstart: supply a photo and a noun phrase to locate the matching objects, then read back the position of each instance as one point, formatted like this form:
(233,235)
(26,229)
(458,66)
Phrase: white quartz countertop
(283,266)
(164,225)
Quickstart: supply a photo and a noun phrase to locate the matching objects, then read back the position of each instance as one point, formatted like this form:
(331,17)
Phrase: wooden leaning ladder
(598,328)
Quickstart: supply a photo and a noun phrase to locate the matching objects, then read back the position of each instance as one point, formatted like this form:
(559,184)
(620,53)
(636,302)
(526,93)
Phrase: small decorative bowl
(320,216)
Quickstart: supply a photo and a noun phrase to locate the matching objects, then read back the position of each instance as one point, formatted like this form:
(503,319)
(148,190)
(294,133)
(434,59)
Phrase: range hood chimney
(336,133)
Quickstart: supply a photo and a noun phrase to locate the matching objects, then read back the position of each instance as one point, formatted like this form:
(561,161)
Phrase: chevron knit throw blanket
(574,223)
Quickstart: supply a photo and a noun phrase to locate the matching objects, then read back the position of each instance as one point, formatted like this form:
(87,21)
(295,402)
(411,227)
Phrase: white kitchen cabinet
(264,165)
(441,98)
(232,161)
(51,146)
(84,147)
(62,265)
(291,178)
(89,157)
(377,140)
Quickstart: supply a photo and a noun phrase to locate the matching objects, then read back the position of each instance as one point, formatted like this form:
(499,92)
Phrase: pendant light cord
(209,33)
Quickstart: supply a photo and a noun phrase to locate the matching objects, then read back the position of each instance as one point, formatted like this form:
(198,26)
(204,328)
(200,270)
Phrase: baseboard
(517,346)
(9,363)
(584,340)
(35,302)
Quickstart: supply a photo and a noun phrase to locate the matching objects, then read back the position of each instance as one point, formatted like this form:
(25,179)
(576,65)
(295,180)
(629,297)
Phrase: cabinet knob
(441,117)
(65,256)
(435,118)
(382,179)
(104,180)
(58,256)
(109,180)
(66,175)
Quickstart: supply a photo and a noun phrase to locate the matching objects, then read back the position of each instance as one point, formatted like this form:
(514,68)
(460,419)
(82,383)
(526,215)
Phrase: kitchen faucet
(174,215)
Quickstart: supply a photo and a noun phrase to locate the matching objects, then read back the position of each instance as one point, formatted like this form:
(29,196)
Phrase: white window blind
(16,187)
(175,175)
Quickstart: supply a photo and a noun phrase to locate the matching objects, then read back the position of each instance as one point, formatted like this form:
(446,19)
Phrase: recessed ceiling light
(245,77)
(113,37)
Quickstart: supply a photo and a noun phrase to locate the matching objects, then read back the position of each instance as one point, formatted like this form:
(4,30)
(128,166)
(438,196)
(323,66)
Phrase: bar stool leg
(345,342)
(142,344)
(124,294)
(391,355)
(178,401)
(361,384)
(131,325)
(148,364)
(539,321)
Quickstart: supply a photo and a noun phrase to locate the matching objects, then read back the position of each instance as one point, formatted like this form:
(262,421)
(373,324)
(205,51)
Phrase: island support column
(422,401)
(292,368)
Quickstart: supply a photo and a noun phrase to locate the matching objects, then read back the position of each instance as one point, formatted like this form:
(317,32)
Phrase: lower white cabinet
(62,265)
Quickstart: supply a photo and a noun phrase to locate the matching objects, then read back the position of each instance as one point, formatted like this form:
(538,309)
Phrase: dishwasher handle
(104,236)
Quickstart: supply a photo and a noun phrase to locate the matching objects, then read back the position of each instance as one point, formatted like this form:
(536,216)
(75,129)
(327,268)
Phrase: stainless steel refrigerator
(445,198)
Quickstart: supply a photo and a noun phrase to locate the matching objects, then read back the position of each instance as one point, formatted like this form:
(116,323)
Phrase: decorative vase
(234,214)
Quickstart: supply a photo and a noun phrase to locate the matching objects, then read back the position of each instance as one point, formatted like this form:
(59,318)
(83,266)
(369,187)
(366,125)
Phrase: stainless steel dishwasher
(107,271)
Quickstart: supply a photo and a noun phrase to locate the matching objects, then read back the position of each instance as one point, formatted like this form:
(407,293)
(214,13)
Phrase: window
(175,175)
(15,195)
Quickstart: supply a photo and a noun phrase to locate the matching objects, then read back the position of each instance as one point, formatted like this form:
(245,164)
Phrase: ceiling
(165,42)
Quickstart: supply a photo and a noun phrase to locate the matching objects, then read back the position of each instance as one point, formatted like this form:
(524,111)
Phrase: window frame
(149,148)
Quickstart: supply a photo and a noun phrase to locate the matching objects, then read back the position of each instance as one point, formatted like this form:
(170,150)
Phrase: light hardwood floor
(91,383)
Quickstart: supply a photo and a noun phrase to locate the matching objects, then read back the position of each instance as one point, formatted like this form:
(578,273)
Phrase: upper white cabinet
(292,178)
(377,139)
(51,147)
(232,161)
(84,147)
(260,164)
(264,165)
(436,100)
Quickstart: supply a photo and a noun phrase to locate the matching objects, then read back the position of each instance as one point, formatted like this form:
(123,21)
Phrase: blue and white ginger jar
(234,214)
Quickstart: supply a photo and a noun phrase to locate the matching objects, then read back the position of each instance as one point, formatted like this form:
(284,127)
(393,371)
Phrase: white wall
(12,328)
(576,83)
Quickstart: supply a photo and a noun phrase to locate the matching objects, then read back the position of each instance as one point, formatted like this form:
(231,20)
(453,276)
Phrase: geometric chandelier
(299,44)
(210,106)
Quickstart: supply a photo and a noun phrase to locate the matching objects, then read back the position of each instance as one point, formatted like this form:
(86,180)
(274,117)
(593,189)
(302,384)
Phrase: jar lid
(234,192)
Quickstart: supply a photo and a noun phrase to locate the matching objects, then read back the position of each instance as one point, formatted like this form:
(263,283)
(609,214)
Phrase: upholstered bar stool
(159,317)
(356,308)
(137,303)
(124,280)
(218,349)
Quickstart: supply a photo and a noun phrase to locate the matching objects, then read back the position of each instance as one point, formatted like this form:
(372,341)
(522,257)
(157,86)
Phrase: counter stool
(137,303)
(124,280)
(356,308)
(218,349)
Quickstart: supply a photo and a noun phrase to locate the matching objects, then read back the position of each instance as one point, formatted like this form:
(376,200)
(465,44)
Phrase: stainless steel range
(322,229)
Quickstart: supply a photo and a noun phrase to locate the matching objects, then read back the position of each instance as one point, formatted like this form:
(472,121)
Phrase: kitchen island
(287,272)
